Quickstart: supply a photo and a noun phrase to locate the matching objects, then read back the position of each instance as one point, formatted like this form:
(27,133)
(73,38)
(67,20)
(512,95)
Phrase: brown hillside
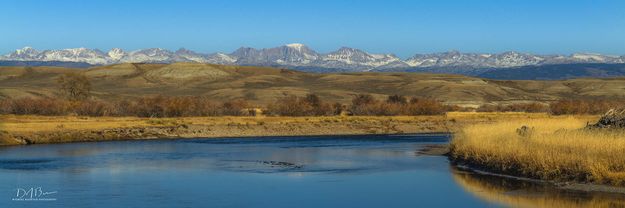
(262,85)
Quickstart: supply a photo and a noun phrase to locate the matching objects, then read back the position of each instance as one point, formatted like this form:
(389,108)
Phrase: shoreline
(444,151)
(23,130)
(569,186)
(29,129)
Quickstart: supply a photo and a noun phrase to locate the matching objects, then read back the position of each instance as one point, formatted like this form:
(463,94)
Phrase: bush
(518,107)
(158,106)
(425,107)
(366,105)
(310,105)
(396,99)
(75,86)
(235,108)
(584,106)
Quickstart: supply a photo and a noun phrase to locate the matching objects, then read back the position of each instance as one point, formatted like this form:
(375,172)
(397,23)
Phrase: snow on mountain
(351,58)
(301,56)
(220,58)
(25,54)
(291,55)
(117,54)
(191,55)
(513,59)
(296,46)
(75,55)
(152,55)
(451,58)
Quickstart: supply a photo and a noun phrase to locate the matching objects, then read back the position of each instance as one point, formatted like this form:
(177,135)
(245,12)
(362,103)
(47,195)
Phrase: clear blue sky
(383,26)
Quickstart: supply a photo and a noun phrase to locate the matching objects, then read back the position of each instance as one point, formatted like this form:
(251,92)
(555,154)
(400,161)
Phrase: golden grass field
(56,129)
(556,149)
(34,123)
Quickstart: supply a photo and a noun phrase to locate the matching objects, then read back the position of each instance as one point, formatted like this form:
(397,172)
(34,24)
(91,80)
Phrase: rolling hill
(263,85)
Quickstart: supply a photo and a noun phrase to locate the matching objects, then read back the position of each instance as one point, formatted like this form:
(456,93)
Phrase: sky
(401,27)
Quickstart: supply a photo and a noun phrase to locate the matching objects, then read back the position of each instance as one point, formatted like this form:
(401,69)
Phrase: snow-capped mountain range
(300,56)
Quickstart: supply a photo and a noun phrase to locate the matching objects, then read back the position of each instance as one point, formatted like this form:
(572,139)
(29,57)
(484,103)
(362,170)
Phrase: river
(323,171)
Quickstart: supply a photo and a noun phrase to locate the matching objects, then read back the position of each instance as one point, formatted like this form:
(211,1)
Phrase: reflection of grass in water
(514,193)
(553,149)
(5,138)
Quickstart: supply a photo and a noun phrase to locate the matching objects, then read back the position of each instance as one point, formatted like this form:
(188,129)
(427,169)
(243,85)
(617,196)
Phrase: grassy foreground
(552,149)
(57,129)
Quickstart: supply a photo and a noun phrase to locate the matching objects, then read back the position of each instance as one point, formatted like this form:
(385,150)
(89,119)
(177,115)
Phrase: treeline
(163,106)
(585,106)
(309,105)
(365,104)
(159,106)
(517,107)
(361,105)
(562,107)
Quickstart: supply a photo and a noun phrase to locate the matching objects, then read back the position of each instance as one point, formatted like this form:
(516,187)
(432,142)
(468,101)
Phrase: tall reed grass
(551,149)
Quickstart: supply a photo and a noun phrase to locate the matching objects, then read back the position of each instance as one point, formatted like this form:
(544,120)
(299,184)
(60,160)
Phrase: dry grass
(60,129)
(33,124)
(556,149)
(263,85)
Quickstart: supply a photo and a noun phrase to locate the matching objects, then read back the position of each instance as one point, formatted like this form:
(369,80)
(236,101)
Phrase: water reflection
(330,171)
(518,193)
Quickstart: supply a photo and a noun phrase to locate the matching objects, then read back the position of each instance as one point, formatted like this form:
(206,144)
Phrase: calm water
(337,171)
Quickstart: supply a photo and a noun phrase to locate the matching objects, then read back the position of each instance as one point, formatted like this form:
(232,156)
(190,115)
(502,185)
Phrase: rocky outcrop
(614,118)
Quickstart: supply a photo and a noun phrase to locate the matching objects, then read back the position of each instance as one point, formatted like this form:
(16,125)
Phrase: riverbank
(15,130)
(550,149)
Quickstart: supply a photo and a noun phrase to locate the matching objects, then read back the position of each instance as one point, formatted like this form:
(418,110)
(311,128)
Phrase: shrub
(157,106)
(310,105)
(395,105)
(396,99)
(584,106)
(235,108)
(517,107)
(424,107)
(75,86)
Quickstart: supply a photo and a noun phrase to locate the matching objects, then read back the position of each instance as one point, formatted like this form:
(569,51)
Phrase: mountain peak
(297,55)
(296,46)
(116,53)
(26,50)
(185,51)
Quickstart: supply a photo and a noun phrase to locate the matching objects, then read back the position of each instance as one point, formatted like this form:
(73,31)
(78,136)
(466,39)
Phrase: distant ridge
(557,72)
(299,56)
(46,63)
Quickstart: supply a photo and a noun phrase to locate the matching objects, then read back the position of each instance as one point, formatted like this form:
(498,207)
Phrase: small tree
(313,100)
(75,86)
(363,99)
(396,99)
